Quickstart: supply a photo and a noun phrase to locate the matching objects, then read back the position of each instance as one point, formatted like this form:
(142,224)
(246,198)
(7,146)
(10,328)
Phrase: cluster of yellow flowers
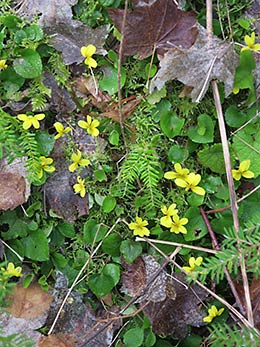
(89,125)
(184,179)
(172,221)
(11,270)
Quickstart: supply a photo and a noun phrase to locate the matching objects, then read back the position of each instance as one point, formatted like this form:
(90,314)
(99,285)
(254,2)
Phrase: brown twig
(230,181)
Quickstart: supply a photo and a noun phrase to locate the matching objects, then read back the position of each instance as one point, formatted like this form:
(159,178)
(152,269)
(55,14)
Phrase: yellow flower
(29,121)
(12,270)
(79,188)
(193,262)
(166,220)
(191,183)
(90,125)
(250,43)
(77,161)
(60,130)
(139,227)
(177,223)
(180,173)
(3,64)
(45,165)
(87,52)
(213,312)
(243,171)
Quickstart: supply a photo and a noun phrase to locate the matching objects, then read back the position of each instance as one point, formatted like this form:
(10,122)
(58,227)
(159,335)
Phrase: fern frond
(38,93)
(222,335)
(59,69)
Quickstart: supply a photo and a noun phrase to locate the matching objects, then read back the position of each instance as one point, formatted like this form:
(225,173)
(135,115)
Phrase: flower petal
(83,124)
(244,165)
(170,175)
(39,116)
(22,117)
(248,174)
(236,174)
(198,190)
(180,183)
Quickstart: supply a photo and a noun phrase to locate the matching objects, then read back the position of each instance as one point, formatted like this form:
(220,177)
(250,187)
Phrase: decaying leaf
(59,340)
(29,302)
(14,186)
(155,24)
(61,101)
(70,36)
(196,67)
(48,10)
(170,304)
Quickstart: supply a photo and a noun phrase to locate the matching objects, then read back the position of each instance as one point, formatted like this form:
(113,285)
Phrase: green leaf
(100,175)
(34,32)
(36,246)
(10,21)
(130,250)
(234,117)
(29,65)
(244,78)
(45,142)
(101,284)
(27,280)
(11,79)
(66,229)
(247,146)
(59,260)
(109,203)
(170,124)
(134,337)
(111,245)
(156,96)
(113,271)
(196,228)
(212,158)
(204,131)
(191,341)
(114,138)
(109,81)
(177,154)
(150,339)
(93,231)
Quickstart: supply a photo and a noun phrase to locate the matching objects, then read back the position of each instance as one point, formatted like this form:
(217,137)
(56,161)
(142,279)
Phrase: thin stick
(232,194)
(145,239)
(217,247)
(120,55)
(12,250)
(78,276)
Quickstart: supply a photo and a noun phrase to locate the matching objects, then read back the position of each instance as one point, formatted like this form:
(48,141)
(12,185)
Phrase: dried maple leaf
(71,35)
(59,340)
(206,60)
(157,24)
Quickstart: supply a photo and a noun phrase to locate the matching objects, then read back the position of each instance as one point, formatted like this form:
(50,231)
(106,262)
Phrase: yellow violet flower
(87,52)
(177,223)
(250,43)
(243,171)
(193,262)
(12,270)
(79,188)
(77,161)
(90,125)
(213,312)
(46,165)
(3,64)
(60,130)
(29,121)
(179,173)
(171,211)
(191,183)
(139,227)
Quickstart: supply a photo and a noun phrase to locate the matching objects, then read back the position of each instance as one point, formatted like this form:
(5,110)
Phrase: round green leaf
(66,229)
(111,245)
(170,124)
(29,65)
(177,154)
(109,203)
(36,246)
(93,232)
(203,132)
(130,250)
(109,82)
(134,337)
(113,271)
(100,284)
(150,339)
(234,118)
(100,175)
(59,261)
(114,138)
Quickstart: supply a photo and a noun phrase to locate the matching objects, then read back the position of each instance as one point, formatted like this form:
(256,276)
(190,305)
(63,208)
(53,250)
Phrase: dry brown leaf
(158,24)
(29,302)
(197,66)
(59,340)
